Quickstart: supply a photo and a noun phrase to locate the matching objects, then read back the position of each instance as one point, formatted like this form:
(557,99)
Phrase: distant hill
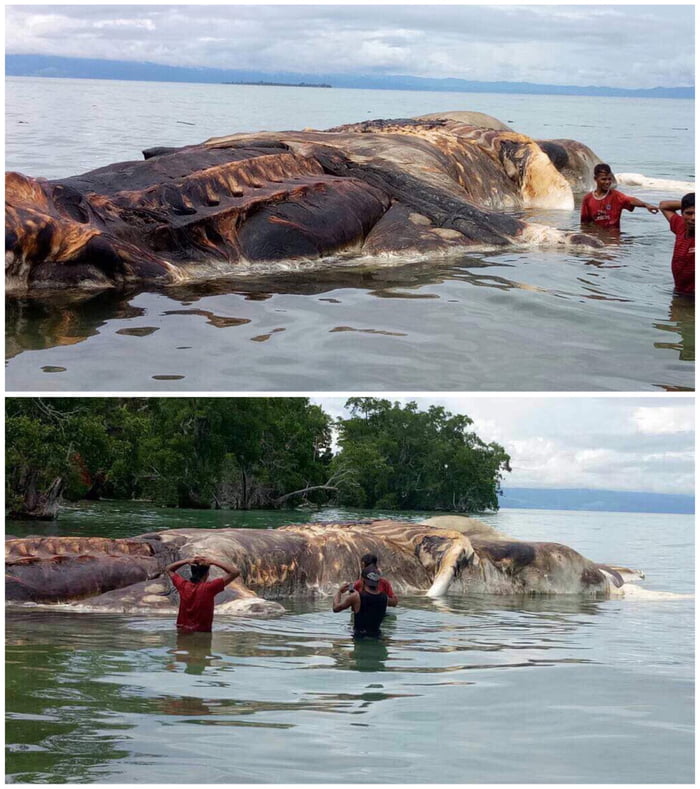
(86,68)
(597,500)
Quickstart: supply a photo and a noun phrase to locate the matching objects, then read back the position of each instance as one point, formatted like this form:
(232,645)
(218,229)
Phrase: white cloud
(592,458)
(132,24)
(560,44)
(663,420)
(633,444)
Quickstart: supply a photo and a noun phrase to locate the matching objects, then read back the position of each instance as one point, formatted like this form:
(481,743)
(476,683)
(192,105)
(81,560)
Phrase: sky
(604,443)
(626,46)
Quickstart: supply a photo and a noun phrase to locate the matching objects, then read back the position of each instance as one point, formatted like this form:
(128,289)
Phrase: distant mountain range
(86,68)
(597,500)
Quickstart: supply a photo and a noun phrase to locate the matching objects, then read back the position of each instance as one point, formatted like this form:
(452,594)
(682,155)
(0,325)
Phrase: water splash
(647,182)
(634,592)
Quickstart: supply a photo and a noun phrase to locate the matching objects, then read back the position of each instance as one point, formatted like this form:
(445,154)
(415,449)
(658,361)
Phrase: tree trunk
(39,506)
(244,490)
(281,499)
(97,487)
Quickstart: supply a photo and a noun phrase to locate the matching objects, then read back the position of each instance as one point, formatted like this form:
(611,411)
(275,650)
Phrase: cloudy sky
(615,443)
(634,46)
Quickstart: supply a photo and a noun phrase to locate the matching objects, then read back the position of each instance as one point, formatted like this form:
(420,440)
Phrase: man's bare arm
(352,599)
(171,568)
(653,209)
(232,572)
(669,207)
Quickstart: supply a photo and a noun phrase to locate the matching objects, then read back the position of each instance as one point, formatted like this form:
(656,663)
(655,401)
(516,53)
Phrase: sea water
(460,690)
(509,320)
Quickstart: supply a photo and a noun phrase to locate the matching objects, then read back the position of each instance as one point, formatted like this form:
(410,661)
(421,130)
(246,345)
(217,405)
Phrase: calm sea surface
(479,690)
(529,320)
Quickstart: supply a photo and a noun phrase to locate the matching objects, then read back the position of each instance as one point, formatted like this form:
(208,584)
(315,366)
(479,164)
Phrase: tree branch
(286,496)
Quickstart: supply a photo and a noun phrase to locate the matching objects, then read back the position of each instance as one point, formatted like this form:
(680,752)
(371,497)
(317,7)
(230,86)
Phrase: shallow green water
(504,690)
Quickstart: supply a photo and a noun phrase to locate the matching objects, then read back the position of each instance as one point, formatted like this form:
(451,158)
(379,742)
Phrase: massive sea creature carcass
(433,558)
(420,186)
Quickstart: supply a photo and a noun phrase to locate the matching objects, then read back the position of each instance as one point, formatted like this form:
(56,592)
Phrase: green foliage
(250,452)
(397,457)
(187,452)
(247,451)
(83,440)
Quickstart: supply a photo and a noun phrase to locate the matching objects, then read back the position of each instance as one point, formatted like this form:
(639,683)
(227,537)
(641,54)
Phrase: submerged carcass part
(411,186)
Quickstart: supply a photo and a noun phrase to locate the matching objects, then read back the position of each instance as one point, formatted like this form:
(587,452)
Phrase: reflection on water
(193,651)
(106,698)
(62,319)
(681,317)
(219,321)
(59,318)
(369,654)
(468,322)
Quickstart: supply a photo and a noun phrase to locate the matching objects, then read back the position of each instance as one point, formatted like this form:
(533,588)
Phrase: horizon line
(578,89)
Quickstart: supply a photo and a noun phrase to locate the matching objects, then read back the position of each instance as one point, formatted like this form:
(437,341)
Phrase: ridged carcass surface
(421,186)
(101,574)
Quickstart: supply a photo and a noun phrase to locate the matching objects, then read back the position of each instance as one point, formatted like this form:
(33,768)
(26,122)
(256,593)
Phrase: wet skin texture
(418,186)
(299,560)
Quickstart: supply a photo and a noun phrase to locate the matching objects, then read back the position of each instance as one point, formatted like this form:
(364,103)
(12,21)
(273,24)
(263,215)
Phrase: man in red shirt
(197,595)
(370,562)
(683,225)
(604,205)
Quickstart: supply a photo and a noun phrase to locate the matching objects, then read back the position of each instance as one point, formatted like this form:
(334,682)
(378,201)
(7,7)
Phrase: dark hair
(369,558)
(601,168)
(688,201)
(198,572)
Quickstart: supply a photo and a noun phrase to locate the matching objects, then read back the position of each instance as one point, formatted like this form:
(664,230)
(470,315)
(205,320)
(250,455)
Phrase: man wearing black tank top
(368,605)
